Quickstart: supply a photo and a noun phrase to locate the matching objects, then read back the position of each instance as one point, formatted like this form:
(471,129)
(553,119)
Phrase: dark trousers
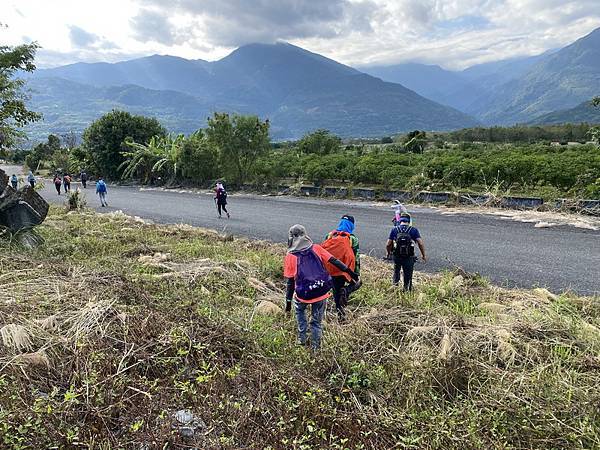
(341,294)
(67,186)
(221,206)
(84,183)
(57,186)
(405,264)
(14,185)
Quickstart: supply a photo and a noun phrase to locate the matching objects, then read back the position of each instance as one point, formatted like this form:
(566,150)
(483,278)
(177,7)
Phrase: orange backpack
(340,247)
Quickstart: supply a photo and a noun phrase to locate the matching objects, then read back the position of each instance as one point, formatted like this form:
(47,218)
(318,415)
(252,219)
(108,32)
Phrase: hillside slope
(183,344)
(582,113)
(559,81)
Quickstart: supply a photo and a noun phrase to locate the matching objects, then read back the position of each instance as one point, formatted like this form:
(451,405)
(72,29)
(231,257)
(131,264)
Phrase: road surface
(509,253)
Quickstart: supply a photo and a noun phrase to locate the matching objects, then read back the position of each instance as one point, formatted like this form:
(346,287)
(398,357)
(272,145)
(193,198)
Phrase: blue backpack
(312,279)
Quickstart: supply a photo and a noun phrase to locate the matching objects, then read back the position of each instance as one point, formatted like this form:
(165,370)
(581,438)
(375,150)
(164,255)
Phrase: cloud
(452,33)
(230,23)
(81,38)
(152,25)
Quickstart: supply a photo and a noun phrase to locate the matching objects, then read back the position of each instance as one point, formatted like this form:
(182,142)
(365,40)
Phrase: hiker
(101,191)
(83,178)
(221,199)
(31,179)
(400,245)
(67,182)
(399,209)
(57,183)
(14,181)
(308,282)
(343,245)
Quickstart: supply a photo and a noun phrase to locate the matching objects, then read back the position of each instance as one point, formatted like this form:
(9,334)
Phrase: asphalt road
(509,253)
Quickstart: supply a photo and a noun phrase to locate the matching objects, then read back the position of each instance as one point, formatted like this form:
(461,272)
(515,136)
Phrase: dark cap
(348,217)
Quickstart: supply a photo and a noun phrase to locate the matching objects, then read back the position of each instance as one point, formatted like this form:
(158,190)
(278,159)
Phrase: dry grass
(114,325)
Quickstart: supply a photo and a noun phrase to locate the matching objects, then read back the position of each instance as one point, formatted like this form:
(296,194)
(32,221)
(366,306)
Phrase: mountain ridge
(297,90)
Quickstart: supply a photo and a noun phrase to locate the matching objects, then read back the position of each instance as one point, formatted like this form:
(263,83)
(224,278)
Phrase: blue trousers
(316,321)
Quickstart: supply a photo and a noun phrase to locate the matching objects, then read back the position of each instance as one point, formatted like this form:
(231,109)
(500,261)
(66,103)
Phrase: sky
(452,33)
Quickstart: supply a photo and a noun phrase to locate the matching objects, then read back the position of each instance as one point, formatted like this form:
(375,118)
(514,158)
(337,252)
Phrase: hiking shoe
(300,342)
(228,216)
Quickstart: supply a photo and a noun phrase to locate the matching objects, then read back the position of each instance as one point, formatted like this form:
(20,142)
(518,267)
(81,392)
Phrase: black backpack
(403,246)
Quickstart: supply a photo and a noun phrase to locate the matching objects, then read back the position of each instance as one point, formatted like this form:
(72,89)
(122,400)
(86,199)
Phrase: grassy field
(121,334)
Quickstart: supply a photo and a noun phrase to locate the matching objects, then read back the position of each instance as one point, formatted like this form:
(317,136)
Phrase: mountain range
(519,90)
(297,90)
(300,91)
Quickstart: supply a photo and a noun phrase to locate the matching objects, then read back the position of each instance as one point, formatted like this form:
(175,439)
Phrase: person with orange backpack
(309,282)
(343,245)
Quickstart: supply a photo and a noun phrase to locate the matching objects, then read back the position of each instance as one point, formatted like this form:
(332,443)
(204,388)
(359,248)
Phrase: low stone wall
(591,207)
(363,193)
(587,206)
(521,202)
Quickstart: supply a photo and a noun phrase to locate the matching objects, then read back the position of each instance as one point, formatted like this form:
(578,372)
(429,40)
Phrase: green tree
(241,140)
(42,152)
(199,160)
(105,138)
(415,141)
(320,142)
(13,110)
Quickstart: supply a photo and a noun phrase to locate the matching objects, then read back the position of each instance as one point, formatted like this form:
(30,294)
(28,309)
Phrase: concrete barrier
(521,202)
(403,196)
(590,204)
(310,191)
(363,193)
(472,199)
(433,197)
(335,192)
(591,207)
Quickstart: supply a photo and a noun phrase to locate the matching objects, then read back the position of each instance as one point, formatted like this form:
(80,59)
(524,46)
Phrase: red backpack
(340,247)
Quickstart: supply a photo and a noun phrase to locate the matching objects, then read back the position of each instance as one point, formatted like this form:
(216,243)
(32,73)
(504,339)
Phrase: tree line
(238,150)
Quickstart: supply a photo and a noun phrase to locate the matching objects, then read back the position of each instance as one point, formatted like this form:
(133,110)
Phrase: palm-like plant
(142,158)
(170,148)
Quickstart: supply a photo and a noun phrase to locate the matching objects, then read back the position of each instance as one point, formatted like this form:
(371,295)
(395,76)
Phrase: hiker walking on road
(31,179)
(308,282)
(67,182)
(83,178)
(401,246)
(14,181)
(101,190)
(343,245)
(221,199)
(57,183)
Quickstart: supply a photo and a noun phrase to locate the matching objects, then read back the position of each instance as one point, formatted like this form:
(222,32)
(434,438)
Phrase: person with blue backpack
(309,283)
(101,190)
(401,246)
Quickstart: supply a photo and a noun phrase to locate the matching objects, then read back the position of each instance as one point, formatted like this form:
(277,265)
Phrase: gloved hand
(353,275)
(288,305)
